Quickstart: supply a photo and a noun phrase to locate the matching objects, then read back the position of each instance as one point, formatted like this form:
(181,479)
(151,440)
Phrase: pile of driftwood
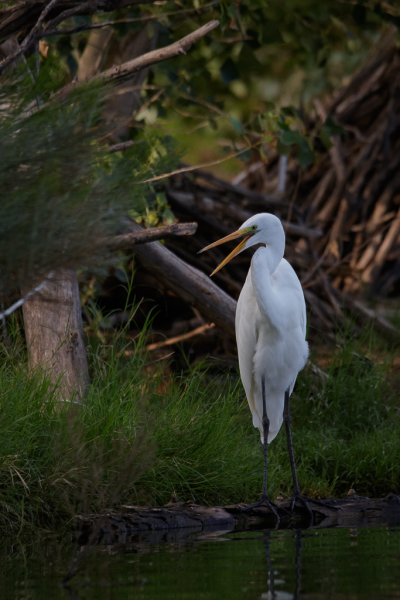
(341,215)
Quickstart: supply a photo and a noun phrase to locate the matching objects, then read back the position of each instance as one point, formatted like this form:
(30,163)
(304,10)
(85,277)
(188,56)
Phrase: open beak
(245,233)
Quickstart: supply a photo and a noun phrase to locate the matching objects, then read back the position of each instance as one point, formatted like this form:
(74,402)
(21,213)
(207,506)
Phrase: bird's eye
(254,227)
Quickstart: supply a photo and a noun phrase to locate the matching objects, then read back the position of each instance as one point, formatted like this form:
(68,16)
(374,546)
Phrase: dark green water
(332,563)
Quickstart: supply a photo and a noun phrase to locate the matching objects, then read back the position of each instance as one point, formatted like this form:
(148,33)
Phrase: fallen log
(123,525)
(190,284)
(367,316)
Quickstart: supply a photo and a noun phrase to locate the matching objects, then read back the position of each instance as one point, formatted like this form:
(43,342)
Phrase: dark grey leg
(297,495)
(265,498)
(287,420)
(266,433)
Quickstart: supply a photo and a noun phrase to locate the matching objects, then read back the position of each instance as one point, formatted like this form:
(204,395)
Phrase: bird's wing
(246,337)
(285,279)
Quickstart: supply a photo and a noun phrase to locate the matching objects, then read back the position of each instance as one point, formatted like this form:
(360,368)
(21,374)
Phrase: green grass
(142,435)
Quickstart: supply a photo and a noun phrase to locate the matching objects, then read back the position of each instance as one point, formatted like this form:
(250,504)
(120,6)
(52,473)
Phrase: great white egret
(271,335)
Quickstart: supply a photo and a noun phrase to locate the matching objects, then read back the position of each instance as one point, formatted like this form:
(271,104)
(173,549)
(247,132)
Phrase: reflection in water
(299,547)
(339,564)
(272,594)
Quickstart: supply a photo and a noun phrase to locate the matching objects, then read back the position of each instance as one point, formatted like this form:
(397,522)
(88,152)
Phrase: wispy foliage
(62,193)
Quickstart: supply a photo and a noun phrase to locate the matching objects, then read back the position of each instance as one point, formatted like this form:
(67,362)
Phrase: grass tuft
(143,435)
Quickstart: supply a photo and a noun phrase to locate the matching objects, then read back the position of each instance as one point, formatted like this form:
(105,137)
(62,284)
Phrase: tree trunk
(126,97)
(93,54)
(54,335)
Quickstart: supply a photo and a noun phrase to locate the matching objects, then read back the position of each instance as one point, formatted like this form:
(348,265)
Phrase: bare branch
(120,146)
(128,240)
(20,302)
(189,283)
(24,15)
(65,15)
(144,19)
(195,168)
(121,242)
(30,38)
(181,338)
(123,72)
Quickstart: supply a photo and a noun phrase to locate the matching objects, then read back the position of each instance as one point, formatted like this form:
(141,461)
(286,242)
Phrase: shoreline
(121,526)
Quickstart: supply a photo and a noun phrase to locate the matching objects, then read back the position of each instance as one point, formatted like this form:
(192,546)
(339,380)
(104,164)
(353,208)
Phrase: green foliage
(328,130)
(286,53)
(345,428)
(143,435)
(62,193)
(305,150)
(57,461)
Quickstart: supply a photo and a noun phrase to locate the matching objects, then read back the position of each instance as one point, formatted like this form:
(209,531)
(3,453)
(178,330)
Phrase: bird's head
(263,228)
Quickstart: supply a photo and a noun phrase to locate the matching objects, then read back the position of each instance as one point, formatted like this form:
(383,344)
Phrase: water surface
(337,564)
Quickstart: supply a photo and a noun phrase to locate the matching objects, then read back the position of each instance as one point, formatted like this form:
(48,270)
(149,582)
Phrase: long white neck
(263,264)
(275,248)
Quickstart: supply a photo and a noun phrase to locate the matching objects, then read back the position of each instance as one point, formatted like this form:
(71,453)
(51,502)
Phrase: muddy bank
(124,524)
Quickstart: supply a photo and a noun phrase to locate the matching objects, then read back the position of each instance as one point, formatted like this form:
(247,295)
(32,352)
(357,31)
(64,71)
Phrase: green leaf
(284,150)
(269,105)
(262,154)
(290,137)
(283,126)
(245,155)
(333,129)
(237,125)
(325,139)
(168,217)
(291,111)
(305,155)
(213,124)
(170,142)
(229,71)
(161,112)
(224,150)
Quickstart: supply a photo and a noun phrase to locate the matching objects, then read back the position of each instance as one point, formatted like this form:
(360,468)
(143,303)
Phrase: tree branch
(24,15)
(126,241)
(189,283)
(30,38)
(144,19)
(123,72)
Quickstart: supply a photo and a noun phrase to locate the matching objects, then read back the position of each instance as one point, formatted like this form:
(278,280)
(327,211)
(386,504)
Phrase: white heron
(271,335)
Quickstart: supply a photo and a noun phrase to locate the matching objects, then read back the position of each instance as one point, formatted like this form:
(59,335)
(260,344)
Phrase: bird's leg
(297,562)
(265,498)
(267,539)
(266,434)
(297,495)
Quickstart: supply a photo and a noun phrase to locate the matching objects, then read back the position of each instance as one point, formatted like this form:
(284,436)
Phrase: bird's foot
(297,497)
(265,501)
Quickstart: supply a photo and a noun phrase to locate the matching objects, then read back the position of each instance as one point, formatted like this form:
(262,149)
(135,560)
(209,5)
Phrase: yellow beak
(232,236)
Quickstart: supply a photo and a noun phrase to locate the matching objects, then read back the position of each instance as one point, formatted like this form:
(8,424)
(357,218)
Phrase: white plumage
(270,333)
(270,320)
(270,329)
